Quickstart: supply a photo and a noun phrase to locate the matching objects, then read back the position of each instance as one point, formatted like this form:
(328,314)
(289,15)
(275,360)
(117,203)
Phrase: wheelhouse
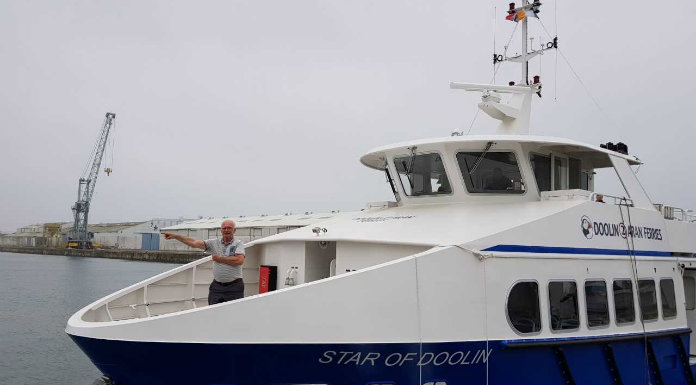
(503,168)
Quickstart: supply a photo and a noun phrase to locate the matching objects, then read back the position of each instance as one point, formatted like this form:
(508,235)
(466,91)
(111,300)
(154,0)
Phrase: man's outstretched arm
(186,240)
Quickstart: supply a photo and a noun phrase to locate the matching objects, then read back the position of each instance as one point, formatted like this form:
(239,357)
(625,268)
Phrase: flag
(517,16)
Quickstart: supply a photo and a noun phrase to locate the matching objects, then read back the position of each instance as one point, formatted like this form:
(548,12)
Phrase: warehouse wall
(119,241)
(23,241)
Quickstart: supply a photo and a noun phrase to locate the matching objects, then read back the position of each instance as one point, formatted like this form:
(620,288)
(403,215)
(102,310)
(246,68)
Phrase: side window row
(524,311)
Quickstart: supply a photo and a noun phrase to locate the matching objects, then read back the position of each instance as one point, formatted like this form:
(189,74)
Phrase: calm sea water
(38,293)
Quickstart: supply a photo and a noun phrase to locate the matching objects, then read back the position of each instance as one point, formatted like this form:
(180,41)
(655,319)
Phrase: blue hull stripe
(575,250)
(447,363)
(591,339)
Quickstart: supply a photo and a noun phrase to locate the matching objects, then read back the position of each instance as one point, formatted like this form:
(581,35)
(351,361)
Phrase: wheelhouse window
(560,173)
(563,305)
(491,172)
(647,299)
(690,292)
(542,171)
(669,302)
(523,307)
(623,301)
(567,172)
(596,303)
(575,174)
(422,174)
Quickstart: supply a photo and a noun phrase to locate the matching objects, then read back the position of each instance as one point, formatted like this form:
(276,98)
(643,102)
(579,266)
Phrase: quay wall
(133,255)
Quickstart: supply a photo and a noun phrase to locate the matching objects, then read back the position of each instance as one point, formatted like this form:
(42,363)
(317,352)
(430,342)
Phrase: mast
(514,115)
(525,61)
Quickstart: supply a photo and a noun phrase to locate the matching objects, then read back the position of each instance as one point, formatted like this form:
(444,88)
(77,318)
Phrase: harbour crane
(79,237)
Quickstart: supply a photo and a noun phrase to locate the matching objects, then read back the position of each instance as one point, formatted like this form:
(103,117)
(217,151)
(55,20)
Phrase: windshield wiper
(411,160)
(409,168)
(391,181)
(480,158)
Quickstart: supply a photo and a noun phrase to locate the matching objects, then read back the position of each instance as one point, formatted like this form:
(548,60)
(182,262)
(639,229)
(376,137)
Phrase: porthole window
(523,307)
(647,298)
(563,305)
(669,303)
(596,303)
(623,301)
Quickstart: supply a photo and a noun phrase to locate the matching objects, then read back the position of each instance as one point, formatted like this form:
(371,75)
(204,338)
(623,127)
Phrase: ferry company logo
(590,228)
(586,226)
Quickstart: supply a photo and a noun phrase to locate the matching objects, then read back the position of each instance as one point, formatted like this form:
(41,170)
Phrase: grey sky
(288,94)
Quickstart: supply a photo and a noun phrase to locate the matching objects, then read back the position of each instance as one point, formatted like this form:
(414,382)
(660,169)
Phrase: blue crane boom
(85,189)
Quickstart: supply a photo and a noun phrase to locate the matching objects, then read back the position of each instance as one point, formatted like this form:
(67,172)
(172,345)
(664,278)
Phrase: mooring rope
(631,248)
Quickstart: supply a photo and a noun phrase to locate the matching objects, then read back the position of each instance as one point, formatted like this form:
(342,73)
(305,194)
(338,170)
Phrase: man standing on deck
(228,257)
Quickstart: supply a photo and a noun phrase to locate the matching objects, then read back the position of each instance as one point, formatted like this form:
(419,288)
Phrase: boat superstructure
(500,261)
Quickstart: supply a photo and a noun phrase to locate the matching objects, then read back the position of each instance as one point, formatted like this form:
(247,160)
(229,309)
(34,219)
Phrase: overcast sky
(245,107)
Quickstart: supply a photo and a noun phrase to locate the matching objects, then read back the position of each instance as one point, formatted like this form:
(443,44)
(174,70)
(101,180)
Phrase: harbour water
(38,295)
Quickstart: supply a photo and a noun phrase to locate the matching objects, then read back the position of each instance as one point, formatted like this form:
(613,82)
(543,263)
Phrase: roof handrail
(599,197)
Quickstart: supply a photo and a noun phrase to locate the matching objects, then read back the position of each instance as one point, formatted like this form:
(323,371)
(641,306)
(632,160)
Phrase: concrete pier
(133,255)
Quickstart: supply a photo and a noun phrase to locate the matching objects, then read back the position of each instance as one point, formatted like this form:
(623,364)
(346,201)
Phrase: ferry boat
(500,261)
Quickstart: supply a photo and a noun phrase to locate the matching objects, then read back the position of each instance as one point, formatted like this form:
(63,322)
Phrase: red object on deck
(268,278)
(264,279)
